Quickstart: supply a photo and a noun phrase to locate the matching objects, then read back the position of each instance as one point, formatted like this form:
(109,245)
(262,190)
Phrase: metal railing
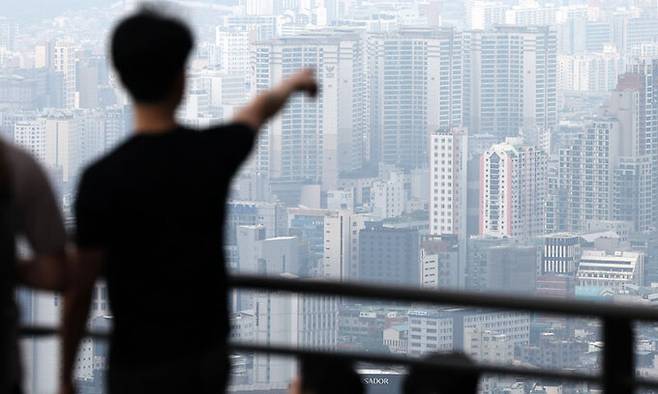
(618,368)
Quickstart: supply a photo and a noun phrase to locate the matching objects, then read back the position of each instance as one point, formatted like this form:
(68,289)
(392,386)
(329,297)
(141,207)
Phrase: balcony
(618,366)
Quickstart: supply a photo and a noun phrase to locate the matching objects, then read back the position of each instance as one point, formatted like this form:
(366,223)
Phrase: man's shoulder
(228,127)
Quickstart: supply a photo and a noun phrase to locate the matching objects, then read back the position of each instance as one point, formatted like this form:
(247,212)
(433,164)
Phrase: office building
(441,263)
(477,270)
(341,245)
(512,269)
(560,254)
(489,346)
(430,332)
(267,256)
(600,269)
(448,329)
(561,286)
(388,255)
(362,326)
(388,196)
(272,216)
(340,200)
(309,225)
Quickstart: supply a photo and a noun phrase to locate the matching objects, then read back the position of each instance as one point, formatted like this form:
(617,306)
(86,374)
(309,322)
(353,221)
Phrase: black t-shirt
(155,205)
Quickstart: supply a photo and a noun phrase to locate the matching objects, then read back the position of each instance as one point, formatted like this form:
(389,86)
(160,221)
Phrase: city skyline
(477,145)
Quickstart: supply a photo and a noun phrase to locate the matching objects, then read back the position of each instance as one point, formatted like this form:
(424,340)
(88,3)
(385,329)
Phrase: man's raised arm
(269,103)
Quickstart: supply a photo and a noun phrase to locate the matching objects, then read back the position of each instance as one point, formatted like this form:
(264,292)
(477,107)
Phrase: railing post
(618,356)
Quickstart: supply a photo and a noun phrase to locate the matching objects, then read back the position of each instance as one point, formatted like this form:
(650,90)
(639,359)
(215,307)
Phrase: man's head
(428,380)
(149,52)
(324,375)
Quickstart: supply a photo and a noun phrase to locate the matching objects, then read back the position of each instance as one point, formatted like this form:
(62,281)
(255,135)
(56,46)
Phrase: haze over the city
(478,145)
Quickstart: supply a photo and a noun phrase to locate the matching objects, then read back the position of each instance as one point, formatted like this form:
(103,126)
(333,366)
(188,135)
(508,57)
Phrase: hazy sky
(33,9)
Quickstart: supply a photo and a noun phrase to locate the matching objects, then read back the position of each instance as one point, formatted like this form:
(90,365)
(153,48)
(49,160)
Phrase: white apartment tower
(448,182)
(314,139)
(512,190)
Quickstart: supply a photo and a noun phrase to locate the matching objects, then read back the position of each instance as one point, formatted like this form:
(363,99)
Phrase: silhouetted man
(149,218)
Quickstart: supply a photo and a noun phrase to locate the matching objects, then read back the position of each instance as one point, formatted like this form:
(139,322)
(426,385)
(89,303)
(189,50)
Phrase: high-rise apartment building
(417,79)
(512,178)
(585,178)
(643,78)
(514,80)
(448,182)
(234,50)
(51,139)
(315,139)
(593,72)
(64,62)
(606,173)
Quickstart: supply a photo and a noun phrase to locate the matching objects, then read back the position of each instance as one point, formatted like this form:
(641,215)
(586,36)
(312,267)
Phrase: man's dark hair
(324,375)
(428,380)
(149,51)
